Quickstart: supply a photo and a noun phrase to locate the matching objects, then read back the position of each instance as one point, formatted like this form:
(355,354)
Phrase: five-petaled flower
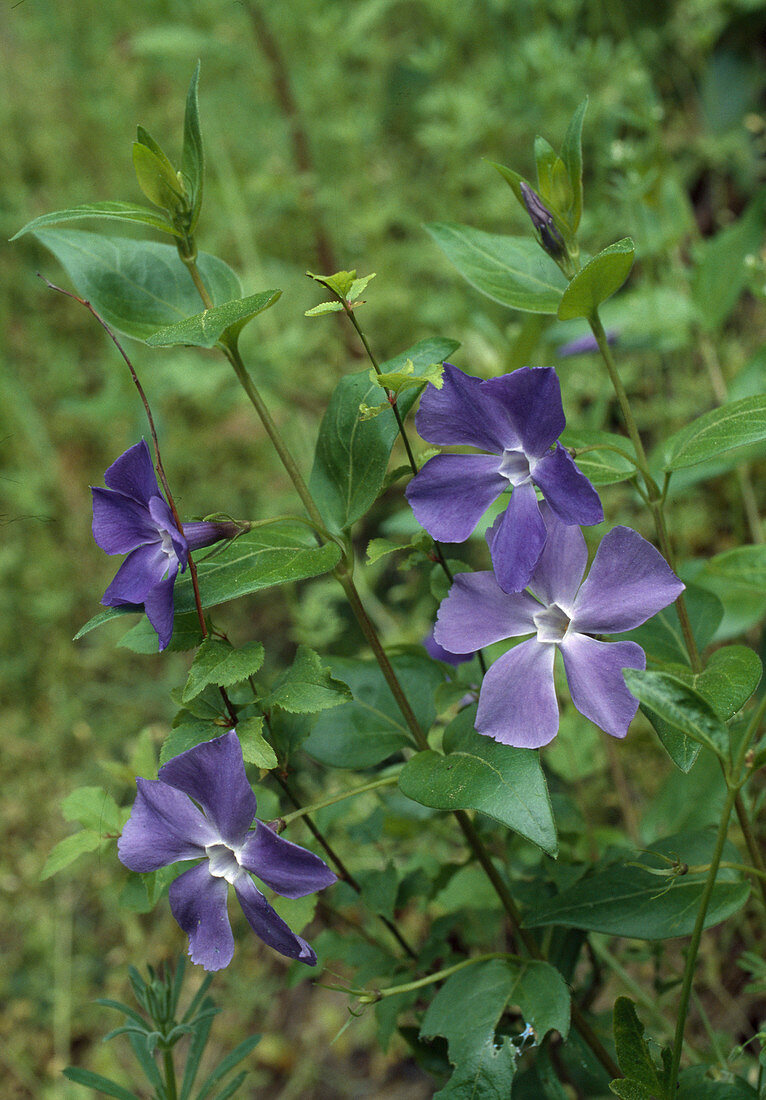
(132,517)
(166,826)
(628,582)
(518,419)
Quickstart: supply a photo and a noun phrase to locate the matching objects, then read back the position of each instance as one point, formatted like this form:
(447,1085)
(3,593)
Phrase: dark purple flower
(586,343)
(132,517)
(518,419)
(543,221)
(166,826)
(628,582)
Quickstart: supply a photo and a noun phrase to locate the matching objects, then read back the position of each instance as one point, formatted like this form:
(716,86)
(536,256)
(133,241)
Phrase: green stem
(388,781)
(370,996)
(171,1091)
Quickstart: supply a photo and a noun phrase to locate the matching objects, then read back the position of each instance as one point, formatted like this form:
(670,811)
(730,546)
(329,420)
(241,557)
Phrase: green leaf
(679,705)
(477,773)
(111,211)
(682,750)
(633,1052)
(514,181)
(352,455)
(622,899)
(137,286)
(398,380)
(157,178)
(255,748)
(142,638)
(732,425)
(728,680)
(307,687)
(721,273)
(698,1083)
(217,663)
(323,307)
(571,154)
(380,548)
(743,565)
(511,270)
(597,281)
(278,554)
(192,155)
(227,1065)
(606,461)
(95,1081)
(69,849)
(361,733)
(189,734)
(93,808)
(206,329)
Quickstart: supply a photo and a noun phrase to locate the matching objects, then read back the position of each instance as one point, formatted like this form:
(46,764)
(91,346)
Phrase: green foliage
(100,211)
(679,705)
(733,425)
(307,686)
(222,323)
(597,281)
(643,1081)
(217,663)
(604,457)
(192,155)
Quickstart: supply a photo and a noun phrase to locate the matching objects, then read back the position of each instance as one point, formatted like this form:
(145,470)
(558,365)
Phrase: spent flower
(132,517)
(628,582)
(518,419)
(201,807)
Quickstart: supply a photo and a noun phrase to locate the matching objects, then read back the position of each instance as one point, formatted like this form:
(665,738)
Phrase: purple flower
(517,418)
(165,826)
(586,343)
(132,517)
(543,221)
(628,582)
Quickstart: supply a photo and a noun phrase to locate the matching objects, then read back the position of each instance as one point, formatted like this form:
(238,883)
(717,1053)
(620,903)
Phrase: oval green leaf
(205,329)
(732,425)
(111,211)
(604,457)
(679,705)
(597,281)
(511,270)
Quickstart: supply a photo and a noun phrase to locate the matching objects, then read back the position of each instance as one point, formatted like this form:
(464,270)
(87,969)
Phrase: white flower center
(167,544)
(223,862)
(515,466)
(552,624)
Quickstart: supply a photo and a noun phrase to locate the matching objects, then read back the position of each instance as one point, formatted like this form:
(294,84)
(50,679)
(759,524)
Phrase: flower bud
(542,220)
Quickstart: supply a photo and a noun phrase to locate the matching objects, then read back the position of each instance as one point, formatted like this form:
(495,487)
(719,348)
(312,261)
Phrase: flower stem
(171,1090)
(371,996)
(388,781)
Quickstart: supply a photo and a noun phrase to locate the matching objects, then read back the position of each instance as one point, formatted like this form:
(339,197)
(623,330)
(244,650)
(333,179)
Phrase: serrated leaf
(93,808)
(323,307)
(307,687)
(622,899)
(192,155)
(69,849)
(380,548)
(109,211)
(217,663)
(477,773)
(255,748)
(732,425)
(597,281)
(352,455)
(137,286)
(679,705)
(222,323)
(358,286)
(511,270)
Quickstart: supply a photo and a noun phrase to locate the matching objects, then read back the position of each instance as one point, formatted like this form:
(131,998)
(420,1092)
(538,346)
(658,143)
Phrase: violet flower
(166,826)
(628,582)
(518,419)
(132,517)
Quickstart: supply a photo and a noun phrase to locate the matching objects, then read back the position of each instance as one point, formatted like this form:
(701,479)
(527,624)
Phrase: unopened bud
(542,220)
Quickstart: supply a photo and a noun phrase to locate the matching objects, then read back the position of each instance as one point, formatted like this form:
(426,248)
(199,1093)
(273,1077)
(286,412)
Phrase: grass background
(399,103)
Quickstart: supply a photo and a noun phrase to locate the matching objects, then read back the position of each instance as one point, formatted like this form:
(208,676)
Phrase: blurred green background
(333,132)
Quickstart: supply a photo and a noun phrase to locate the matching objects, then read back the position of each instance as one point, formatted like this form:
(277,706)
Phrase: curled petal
(213,774)
(594,674)
(266,923)
(139,573)
(158,605)
(516,539)
(462,413)
(628,582)
(133,474)
(452,492)
(163,517)
(164,826)
(567,490)
(433,649)
(285,867)
(476,612)
(198,902)
(517,703)
(120,524)
(560,568)
(531,399)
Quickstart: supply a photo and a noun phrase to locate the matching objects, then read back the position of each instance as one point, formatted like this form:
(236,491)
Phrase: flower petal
(285,867)
(594,675)
(213,774)
(628,582)
(476,612)
(159,607)
(198,902)
(204,533)
(433,649)
(452,492)
(461,413)
(517,702)
(138,574)
(266,923)
(120,524)
(516,539)
(163,517)
(531,398)
(164,826)
(567,490)
(560,568)
(133,474)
